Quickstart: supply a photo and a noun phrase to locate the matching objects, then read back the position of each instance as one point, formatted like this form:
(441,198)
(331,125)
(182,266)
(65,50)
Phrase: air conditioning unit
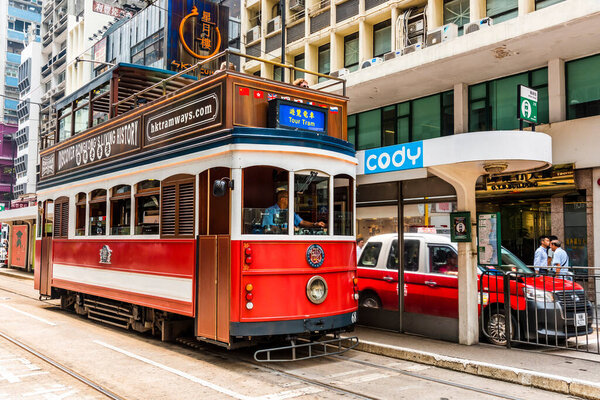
(392,54)
(476,26)
(296,5)
(372,61)
(253,34)
(416,27)
(274,24)
(412,48)
(340,73)
(443,34)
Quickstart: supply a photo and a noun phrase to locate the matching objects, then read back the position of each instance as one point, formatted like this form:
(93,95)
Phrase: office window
(539,4)
(149,50)
(493,104)
(352,129)
(351,52)
(278,74)
(583,87)
(369,129)
(324,61)
(299,63)
(456,12)
(382,38)
(502,10)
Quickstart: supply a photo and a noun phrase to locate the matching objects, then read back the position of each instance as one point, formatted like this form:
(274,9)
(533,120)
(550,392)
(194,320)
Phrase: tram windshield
(311,203)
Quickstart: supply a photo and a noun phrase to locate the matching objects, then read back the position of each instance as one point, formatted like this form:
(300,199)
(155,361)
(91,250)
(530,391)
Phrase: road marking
(28,315)
(367,378)
(339,374)
(291,393)
(176,372)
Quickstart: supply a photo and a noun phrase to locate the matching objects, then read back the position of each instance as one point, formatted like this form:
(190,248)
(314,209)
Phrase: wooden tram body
(131,233)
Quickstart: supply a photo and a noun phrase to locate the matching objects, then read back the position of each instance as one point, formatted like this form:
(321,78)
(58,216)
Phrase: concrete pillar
(461,108)
(311,62)
(435,14)
(463,179)
(395,42)
(477,10)
(337,51)
(526,6)
(365,41)
(557,104)
(557,216)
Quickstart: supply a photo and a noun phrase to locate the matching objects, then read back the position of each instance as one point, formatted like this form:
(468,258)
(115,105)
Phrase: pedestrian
(550,252)
(540,258)
(360,243)
(560,259)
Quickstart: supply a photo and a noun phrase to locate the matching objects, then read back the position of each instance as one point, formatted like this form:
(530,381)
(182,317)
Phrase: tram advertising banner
(115,140)
(198,112)
(18,246)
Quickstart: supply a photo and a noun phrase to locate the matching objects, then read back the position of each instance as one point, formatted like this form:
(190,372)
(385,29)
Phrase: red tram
(164,204)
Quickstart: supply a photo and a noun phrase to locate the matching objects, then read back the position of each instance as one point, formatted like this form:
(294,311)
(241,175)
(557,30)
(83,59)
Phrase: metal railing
(226,56)
(544,309)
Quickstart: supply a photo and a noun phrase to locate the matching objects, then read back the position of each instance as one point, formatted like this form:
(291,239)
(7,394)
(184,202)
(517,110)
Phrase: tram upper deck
(133,115)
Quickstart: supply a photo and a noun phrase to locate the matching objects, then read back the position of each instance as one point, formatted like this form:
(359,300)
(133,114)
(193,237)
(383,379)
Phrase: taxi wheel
(495,328)
(369,300)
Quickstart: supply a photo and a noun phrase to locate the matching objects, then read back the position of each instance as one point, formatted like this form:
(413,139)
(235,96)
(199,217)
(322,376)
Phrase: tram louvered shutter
(186,209)
(61,218)
(168,203)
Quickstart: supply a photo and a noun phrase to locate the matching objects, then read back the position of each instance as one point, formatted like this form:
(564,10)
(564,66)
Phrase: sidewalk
(570,372)
(16,273)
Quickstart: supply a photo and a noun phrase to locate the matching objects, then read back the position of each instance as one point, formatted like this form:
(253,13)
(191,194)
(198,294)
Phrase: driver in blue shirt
(276,215)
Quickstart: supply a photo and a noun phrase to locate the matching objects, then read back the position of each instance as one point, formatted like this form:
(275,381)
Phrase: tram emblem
(315,255)
(105,254)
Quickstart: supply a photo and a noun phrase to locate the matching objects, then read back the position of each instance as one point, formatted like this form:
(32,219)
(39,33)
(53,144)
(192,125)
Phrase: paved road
(137,366)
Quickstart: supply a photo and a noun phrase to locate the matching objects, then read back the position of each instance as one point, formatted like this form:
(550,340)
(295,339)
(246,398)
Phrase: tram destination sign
(109,143)
(189,115)
(292,115)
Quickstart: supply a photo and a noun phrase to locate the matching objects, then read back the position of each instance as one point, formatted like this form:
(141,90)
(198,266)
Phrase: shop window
(177,216)
(575,241)
(61,217)
(299,63)
(425,118)
(411,255)
(583,87)
(64,124)
(266,199)
(388,126)
(351,131)
(493,104)
(502,10)
(539,4)
(351,52)
(80,206)
(456,12)
(98,212)
(120,210)
(369,130)
(147,207)
(382,38)
(324,62)
(343,205)
(311,203)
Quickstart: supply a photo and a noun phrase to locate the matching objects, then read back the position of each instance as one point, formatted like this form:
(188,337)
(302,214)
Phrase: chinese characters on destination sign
(301,117)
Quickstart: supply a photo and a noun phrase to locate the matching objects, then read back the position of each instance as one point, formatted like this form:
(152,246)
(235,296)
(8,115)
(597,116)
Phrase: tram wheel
(495,327)
(369,300)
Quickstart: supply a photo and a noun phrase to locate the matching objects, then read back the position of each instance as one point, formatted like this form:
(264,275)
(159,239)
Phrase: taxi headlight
(538,295)
(316,290)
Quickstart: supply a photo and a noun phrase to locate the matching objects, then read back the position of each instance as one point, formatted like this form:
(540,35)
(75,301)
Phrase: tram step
(309,349)
(108,319)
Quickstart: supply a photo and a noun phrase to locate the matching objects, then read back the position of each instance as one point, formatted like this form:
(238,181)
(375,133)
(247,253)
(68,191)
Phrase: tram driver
(275,217)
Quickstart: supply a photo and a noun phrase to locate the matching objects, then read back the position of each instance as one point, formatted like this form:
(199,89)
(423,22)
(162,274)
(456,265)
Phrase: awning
(18,214)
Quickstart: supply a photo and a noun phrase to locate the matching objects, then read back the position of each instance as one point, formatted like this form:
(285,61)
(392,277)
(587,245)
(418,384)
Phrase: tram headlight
(316,290)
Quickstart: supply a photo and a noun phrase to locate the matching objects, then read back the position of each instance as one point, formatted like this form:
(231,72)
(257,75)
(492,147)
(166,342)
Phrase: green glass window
(502,10)
(352,129)
(493,104)
(403,123)
(539,4)
(324,61)
(426,118)
(351,52)
(382,38)
(583,87)
(299,63)
(369,129)
(456,12)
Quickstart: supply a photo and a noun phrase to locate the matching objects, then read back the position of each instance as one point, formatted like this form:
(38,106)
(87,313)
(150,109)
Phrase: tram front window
(311,202)
(266,199)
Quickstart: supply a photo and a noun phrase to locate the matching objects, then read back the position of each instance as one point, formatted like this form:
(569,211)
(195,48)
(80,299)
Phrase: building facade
(419,70)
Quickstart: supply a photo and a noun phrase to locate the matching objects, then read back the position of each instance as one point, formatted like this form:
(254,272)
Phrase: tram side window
(311,203)
(100,106)
(61,217)
(98,212)
(120,210)
(80,205)
(64,124)
(81,115)
(265,209)
(147,206)
(343,208)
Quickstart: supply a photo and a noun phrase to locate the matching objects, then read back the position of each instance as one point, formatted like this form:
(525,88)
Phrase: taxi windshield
(510,263)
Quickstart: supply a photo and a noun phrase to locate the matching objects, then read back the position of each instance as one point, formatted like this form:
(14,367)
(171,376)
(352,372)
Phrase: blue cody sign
(394,158)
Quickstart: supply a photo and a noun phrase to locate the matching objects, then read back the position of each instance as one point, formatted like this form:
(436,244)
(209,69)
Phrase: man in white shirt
(360,242)
(560,259)
(540,258)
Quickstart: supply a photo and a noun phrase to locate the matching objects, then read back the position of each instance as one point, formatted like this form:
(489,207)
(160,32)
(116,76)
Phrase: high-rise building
(17,17)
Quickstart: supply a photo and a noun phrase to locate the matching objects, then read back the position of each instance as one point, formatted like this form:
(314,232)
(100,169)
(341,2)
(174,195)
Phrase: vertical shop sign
(18,246)
(460,226)
(527,104)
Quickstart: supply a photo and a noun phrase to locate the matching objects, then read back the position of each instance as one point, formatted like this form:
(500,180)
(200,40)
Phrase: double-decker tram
(223,204)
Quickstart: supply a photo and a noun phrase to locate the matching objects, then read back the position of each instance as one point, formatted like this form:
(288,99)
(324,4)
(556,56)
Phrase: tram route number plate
(580,319)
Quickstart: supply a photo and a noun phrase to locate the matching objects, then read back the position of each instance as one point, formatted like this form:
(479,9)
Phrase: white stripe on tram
(28,315)
(153,285)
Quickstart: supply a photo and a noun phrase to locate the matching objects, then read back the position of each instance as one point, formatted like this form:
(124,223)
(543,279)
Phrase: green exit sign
(2,207)
(528,102)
